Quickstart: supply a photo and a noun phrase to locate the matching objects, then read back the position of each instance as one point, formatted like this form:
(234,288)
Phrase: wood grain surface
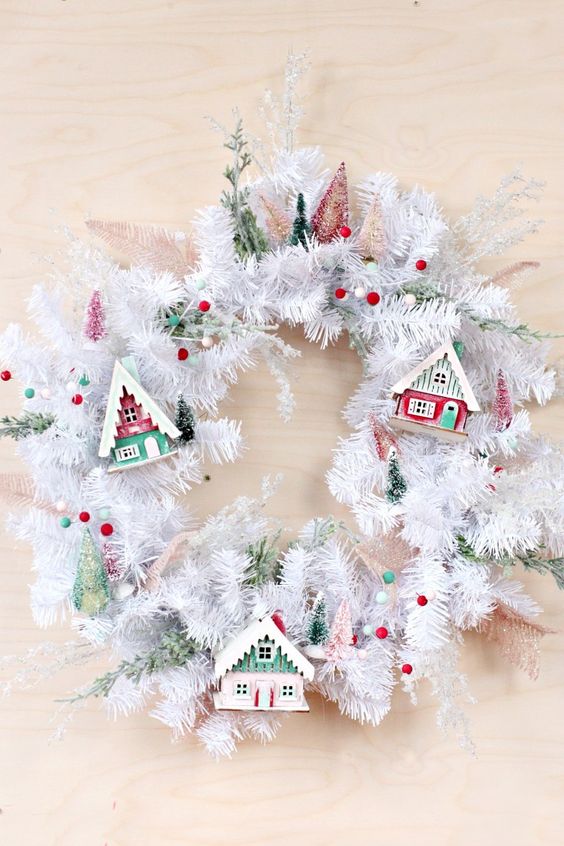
(102,105)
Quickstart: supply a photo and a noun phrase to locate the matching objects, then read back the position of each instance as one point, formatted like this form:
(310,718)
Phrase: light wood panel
(101,104)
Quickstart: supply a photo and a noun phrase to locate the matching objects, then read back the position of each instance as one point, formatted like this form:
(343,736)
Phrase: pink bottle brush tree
(94,324)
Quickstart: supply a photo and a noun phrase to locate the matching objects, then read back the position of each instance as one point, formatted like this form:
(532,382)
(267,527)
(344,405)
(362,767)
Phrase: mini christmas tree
(184,421)
(318,630)
(503,406)
(301,229)
(340,638)
(372,239)
(396,487)
(94,326)
(111,562)
(91,591)
(333,211)
(383,438)
(278,222)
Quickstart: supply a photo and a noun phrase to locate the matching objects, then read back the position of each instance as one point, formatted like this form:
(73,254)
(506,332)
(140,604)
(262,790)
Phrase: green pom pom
(389,577)
(84,380)
(173,320)
(200,284)
(29,393)
(65,522)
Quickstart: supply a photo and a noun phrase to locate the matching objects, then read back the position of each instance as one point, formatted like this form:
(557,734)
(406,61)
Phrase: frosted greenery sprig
(30,423)
(531,559)
(173,650)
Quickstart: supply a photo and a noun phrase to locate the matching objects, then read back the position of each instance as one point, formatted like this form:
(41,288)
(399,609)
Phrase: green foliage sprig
(264,560)
(249,238)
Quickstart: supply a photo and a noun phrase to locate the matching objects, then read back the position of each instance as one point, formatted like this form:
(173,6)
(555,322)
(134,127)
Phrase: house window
(241,689)
(440,378)
(288,691)
(126,452)
(130,414)
(264,652)
(421,408)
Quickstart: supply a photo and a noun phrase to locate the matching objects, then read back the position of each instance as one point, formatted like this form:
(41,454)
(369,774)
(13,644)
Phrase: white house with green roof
(135,429)
(261,670)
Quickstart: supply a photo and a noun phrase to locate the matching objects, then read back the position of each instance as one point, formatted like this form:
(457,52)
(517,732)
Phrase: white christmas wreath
(215,628)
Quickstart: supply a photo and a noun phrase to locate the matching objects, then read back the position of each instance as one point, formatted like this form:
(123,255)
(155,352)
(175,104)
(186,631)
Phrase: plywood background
(101,105)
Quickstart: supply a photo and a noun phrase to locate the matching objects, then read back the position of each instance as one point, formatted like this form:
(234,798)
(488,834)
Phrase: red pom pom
(421,264)
(498,469)
(422,600)
(78,399)
(407,669)
(107,529)
(278,621)
(84,516)
(182,354)
(372,298)
(354,640)
(345,231)
(382,632)
(204,305)
(340,293)
(5,375)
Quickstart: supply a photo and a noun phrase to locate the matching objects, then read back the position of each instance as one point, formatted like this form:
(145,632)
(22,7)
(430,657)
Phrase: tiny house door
(449,415)
(152,447)
(264,696)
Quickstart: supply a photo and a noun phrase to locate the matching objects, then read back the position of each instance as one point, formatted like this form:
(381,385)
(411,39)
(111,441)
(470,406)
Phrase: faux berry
(421,264)
(182,354)
(381,632)
(107,529)
(204,305)
(340,293)
(407,669)
(422,600)
(372,298)
(84,516)
(345,231)
(5,375)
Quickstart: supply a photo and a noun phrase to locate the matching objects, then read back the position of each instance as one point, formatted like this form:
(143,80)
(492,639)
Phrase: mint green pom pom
(371,265)
(389,577)
(65,522)
(173,320)
(382,597)
(367,629)
(29,393)
(200,284)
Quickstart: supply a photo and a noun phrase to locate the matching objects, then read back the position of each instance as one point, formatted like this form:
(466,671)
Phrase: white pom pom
(359,293)
(410,299)
(61,505)
(207,342)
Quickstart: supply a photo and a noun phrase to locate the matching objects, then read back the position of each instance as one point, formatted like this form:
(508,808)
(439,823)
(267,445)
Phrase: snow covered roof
(240,645)
(122,377)
(445,350)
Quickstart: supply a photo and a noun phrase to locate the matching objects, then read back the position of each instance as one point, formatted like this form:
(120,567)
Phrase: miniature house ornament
(435,397)
(260,670)
(135,429)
